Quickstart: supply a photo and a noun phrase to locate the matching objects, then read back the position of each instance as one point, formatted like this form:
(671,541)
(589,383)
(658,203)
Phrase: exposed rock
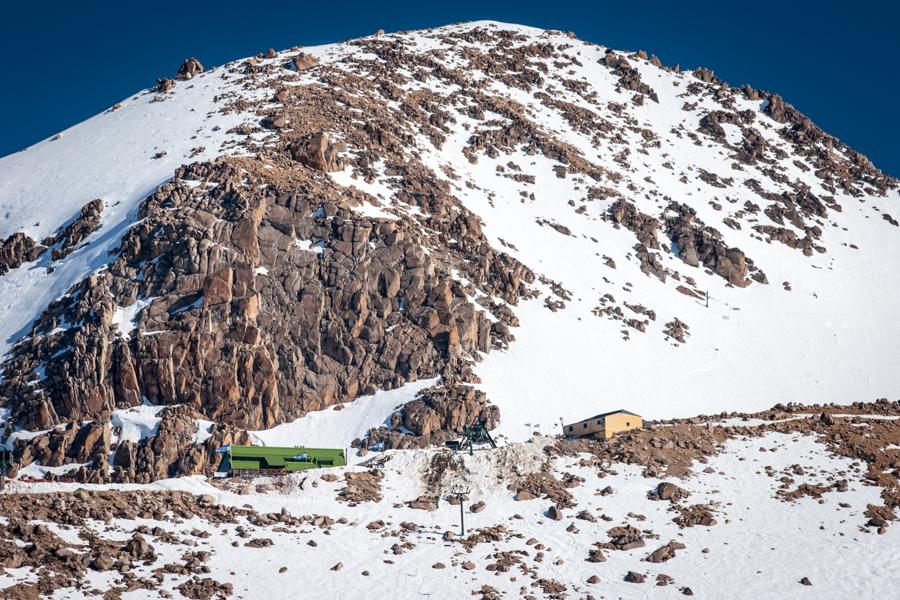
(317,152)
(16,250)
(189,69)
(668,491)
(304,61)
(664,553)
(67,238)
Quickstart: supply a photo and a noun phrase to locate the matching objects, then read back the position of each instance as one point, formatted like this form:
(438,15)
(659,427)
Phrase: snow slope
(833,337)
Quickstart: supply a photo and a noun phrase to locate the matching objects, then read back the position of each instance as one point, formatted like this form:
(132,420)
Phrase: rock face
(317,152)
(272,300)
(17,249)
(67,239)
(189,69)
(697,244)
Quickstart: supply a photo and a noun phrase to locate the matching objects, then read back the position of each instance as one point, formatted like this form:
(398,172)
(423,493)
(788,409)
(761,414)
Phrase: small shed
(604,425)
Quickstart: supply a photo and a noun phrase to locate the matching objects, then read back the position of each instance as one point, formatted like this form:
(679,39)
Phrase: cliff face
(376,214)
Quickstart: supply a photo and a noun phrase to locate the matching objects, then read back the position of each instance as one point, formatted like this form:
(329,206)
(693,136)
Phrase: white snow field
(761,547)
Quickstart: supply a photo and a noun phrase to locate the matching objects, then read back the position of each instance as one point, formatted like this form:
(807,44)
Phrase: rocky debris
(554,513)
(629,77)
(644,227)
(677,330)
(806,581)
(789,238)
(205,588)
(696,514)
(634,577)
(668,491)
(303,62)
(189,69)
(623,537)
(59,564)
(318,152)
(543,484)
(671,450)
(276,121)
(596,555)
(428,503)
(16,250)
(362,486)
(551,587)
(664,553)
(477,507)
(338,566)
(663,580)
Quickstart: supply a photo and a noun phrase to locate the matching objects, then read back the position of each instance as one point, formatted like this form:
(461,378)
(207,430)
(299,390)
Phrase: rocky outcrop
(189,69)
(629,77)
(303,62)
(312,305)
(16,250)
(698,244)
(19,248)
(66,240)
(318,152)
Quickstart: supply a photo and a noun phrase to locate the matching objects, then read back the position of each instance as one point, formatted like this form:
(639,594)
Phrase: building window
(571,427)
(584,425)
(627,423)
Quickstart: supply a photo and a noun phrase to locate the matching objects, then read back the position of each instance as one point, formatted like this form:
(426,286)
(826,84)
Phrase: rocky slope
(503,208)
(796,502)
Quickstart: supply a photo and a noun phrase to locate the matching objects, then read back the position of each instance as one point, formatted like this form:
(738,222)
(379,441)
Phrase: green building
(272,460)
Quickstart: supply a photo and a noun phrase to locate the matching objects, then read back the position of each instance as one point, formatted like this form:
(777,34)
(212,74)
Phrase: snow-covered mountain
(377,243)
(536,227)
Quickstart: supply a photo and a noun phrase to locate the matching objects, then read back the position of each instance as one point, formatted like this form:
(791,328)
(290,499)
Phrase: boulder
(317,152)
(189,69)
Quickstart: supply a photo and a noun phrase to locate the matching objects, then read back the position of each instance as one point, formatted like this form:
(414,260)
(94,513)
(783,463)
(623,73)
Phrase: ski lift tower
(476,433)
(461,493)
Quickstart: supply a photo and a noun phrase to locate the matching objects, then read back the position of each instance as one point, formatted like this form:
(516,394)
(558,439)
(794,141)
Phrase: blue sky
(62,62)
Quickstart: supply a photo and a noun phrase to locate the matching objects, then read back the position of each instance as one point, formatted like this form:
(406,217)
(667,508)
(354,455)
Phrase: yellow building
(606,425)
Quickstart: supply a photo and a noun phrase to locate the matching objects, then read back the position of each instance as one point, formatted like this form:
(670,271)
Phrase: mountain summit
(476,222)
